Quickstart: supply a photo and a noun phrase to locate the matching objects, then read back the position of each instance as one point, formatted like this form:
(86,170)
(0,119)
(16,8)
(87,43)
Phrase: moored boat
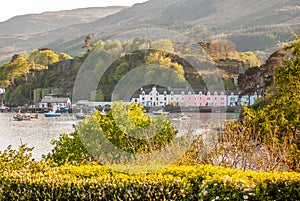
(160,112)
(62,110)
(52,114)
(22,117)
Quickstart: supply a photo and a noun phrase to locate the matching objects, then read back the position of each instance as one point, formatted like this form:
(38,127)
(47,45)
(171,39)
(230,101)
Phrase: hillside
(252,25)
(23,33)
(47,21)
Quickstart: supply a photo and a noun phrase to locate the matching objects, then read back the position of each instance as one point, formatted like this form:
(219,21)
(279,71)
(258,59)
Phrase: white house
(160,97)
(152,98)
(55,102)
(233,99)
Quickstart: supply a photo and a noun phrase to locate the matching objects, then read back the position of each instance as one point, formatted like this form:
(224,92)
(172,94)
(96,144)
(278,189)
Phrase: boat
(36,116)
(62,110)
(52,114)
(25,117)
(182,118)
(80,115)
(22,117)
(160,112)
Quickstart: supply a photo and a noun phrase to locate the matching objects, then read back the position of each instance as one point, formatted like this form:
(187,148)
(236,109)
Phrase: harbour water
(36,133)
(39,132)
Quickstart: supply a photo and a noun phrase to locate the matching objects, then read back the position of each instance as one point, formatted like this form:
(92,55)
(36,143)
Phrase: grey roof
(55,100)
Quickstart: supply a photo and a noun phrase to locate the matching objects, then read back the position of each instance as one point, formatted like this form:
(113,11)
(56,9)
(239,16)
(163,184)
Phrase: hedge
(204,182)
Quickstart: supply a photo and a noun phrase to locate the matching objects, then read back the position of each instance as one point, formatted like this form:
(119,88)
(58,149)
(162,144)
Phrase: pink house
(195,99)
(216,99)
(200,99)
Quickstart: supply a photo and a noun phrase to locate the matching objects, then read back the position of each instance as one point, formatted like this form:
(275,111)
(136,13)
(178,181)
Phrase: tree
(87,42)
(163,59)
(64,56)
(42,58)
(218,48)
(17,67)
(163,44)
(278,123)
(100,137)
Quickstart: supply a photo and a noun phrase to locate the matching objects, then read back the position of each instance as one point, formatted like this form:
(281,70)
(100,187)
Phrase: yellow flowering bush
(94,182)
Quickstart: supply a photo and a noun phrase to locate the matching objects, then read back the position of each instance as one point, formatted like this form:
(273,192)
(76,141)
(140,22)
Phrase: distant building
(234,99)
(160,97)
(191,98)
(54,101)
(199,98)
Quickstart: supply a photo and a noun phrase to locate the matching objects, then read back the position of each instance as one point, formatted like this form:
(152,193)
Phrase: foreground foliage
(173,183)
(266,137)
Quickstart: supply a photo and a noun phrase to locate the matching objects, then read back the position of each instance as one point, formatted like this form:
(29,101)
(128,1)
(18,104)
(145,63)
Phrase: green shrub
(173,183)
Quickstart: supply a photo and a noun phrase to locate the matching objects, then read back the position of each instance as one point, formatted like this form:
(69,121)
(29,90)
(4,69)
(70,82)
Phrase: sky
(13,8)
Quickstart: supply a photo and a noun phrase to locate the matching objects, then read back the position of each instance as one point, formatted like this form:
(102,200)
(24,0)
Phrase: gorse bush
(172,183)
(11,159)
(29,180)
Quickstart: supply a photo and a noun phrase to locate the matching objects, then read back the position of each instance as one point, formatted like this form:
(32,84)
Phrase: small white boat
(52,114)
(182,118)
(160,112)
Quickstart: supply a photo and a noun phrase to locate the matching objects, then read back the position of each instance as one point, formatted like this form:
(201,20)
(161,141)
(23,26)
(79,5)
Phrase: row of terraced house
(194,98)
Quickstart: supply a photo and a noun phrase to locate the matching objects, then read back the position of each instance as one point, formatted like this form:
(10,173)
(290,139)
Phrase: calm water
(38,133)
